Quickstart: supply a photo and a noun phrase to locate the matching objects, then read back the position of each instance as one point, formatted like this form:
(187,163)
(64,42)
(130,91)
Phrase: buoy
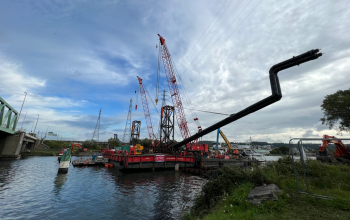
(106,165)
(110,165)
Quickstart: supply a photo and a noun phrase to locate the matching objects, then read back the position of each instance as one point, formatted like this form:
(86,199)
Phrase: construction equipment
(127,130)
(151,134)
(80,148)
(226,141)
(135,131)
(138,149)
(342,151)
(274,97)
(169,68)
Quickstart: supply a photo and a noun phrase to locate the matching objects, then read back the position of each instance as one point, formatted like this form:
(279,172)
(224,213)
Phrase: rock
(261,193)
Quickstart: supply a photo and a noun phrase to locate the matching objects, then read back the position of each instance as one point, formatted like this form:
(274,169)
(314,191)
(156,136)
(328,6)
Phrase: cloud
(74,58)
(309,133)
(13,77)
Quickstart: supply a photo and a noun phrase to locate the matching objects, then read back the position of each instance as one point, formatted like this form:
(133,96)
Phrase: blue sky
(75,57)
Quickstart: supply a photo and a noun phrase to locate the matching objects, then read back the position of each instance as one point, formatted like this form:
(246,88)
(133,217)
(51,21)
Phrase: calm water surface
(31,189)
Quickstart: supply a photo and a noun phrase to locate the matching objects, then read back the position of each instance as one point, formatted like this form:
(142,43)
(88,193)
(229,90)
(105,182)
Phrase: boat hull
(63,168)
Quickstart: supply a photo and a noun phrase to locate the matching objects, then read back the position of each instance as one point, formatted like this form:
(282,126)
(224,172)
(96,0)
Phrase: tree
(91,144)
(146,143)
(113,142)
(280,150)
(336,111)
(284,149)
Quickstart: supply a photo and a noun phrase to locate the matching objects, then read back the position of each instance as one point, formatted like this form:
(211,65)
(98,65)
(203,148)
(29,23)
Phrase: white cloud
(85,47)
(13,77)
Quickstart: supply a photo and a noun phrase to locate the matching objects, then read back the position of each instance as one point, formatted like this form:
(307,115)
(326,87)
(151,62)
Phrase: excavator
(80,148)
(235,153)
(342,151)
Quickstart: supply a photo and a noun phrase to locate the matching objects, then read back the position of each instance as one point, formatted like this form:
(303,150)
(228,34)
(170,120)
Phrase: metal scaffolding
(167,128)
(135,131)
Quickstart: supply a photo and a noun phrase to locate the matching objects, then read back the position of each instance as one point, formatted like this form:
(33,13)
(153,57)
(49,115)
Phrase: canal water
(31,189)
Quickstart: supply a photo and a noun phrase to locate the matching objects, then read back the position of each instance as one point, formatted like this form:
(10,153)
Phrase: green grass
(41,152)
(224,196)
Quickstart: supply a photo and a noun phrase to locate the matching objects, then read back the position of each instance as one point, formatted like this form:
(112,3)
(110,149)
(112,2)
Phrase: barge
(129,160)
(92,161)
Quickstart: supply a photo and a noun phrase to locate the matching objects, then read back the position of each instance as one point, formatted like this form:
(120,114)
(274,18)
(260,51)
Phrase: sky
(74,58)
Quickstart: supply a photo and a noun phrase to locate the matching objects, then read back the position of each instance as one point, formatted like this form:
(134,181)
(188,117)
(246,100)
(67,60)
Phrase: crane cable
(158,74)
(209,112)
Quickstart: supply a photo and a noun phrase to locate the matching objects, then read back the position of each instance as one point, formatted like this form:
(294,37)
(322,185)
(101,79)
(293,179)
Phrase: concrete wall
(11,145)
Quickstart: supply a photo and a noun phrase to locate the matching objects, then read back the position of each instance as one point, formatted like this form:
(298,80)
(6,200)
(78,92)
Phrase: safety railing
(303,159)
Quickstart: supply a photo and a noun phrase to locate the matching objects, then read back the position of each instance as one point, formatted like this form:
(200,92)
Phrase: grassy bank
(224,196)
(41,152)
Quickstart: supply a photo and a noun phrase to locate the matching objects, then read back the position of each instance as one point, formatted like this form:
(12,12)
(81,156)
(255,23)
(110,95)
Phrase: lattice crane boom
(146,111)
(174,91)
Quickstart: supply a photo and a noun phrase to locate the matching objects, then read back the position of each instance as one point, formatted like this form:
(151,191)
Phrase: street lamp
(46,131)
(22,107)
(23,120)
(36,123)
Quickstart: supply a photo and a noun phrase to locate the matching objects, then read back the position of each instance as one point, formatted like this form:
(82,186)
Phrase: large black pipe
(275,89)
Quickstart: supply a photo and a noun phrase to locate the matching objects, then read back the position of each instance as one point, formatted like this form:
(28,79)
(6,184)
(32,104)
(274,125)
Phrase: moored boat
(64,161)
(251,154)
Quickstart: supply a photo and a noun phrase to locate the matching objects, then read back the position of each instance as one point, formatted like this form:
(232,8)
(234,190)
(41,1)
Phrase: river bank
(224,196)
(55,152)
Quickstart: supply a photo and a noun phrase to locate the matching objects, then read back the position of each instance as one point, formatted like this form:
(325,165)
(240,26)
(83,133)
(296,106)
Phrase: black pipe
(275,89)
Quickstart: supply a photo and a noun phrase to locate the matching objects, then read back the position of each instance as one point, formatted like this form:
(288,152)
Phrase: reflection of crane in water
(165,194)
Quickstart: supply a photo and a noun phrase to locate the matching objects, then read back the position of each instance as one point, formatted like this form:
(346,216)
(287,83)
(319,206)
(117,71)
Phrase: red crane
(175,96)
(146,111)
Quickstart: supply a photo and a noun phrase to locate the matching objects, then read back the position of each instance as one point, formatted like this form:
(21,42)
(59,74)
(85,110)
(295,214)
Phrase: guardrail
(8,121)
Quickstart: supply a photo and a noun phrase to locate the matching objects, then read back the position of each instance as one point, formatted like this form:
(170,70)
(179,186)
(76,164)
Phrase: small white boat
(252,155)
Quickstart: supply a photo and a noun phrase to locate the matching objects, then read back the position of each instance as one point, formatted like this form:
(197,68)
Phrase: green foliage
(146,143)
(113,142)
(90,144)
(280,150)
(336,110)
(224,196)
(56,144)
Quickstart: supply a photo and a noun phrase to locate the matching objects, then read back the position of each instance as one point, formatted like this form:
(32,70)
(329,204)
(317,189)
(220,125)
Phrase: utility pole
(23,120)
(36,123)
(22,107)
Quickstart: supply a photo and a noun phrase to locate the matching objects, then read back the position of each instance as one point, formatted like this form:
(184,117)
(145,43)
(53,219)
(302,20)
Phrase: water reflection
(160,194)
(60,179)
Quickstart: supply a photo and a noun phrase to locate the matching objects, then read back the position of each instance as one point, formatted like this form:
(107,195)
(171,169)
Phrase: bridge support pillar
(10,146)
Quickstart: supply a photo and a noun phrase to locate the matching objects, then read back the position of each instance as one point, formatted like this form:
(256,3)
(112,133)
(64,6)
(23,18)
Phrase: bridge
(13,142)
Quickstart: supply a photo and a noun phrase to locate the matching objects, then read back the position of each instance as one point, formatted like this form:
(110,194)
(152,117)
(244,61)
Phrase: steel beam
(10,117)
